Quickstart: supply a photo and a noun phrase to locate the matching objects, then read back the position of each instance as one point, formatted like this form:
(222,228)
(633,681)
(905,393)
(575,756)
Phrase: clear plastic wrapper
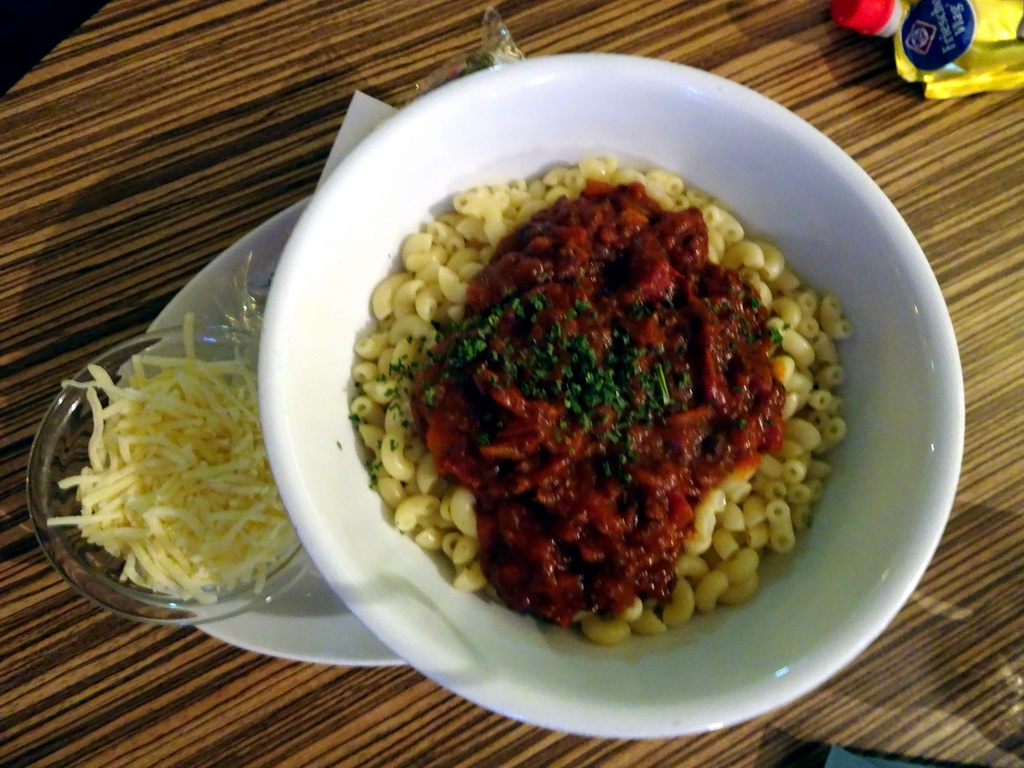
(497,49)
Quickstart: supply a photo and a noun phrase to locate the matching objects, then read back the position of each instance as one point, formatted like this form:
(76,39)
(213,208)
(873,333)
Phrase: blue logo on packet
(938,31)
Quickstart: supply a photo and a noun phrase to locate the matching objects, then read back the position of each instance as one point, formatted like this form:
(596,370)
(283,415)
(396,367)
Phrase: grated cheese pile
(179,485)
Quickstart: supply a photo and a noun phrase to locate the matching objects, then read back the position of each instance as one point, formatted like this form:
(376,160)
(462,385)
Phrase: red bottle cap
(869,17)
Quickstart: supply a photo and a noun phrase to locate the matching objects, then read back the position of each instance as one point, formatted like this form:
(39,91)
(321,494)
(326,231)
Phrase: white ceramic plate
(304,620)
(884,508)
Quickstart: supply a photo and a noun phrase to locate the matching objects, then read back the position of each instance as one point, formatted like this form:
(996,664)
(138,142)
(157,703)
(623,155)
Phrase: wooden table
(163,130)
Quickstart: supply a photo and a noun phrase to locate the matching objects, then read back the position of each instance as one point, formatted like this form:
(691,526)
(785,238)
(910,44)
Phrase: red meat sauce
(606,376)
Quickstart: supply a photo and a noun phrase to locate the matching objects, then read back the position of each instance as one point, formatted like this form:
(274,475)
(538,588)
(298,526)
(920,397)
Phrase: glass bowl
(60,450)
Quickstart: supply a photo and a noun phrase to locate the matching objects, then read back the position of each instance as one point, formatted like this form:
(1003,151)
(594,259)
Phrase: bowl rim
(537,70)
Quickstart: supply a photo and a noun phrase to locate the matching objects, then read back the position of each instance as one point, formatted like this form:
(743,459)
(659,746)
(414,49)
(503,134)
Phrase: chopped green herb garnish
(665,398)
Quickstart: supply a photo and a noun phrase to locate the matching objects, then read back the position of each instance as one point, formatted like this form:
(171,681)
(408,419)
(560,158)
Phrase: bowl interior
(884,507)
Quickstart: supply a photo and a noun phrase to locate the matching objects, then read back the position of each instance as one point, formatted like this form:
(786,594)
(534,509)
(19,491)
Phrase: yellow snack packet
(954,47)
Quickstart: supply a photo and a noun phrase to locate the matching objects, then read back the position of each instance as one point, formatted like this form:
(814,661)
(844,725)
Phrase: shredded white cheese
(179,486)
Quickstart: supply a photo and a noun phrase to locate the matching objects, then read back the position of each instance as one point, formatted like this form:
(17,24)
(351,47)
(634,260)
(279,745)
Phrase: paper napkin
(364,114)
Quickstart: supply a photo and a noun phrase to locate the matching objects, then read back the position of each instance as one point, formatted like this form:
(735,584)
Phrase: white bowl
(885,505)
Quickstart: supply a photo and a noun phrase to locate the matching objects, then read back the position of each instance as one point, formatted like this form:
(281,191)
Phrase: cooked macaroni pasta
(755,511)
